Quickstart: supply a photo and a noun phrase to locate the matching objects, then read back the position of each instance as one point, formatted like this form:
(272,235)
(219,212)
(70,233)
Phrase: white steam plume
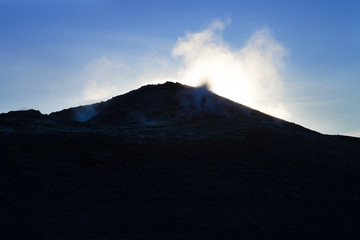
(249,75)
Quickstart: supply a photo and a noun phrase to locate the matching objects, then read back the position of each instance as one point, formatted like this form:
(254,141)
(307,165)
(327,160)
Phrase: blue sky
(58,54)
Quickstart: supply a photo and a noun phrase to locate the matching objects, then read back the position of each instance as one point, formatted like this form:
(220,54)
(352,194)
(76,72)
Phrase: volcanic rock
(170,161)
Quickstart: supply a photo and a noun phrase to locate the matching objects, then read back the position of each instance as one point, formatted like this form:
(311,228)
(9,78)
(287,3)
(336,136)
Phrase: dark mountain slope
(176,109)
(174,162)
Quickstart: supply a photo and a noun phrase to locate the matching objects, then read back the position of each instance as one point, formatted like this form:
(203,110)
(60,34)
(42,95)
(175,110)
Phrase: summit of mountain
(170,161)
(176,109)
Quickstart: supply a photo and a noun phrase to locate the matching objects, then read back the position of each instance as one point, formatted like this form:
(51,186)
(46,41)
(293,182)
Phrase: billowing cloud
(250,75)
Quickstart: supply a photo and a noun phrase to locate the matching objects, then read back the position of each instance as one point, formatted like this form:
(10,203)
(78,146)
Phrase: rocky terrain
(174,162)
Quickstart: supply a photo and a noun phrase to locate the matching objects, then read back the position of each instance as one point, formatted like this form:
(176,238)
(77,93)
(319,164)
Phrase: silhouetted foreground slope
(174,162)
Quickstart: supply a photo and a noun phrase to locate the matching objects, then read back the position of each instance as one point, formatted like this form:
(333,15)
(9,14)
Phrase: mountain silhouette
(170,161)
(177,108)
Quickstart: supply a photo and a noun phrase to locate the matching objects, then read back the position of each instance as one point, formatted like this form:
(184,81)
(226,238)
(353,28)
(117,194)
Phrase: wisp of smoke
(84,113)
(151,123)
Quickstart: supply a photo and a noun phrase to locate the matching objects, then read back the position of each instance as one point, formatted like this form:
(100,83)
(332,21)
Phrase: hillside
(170,161)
